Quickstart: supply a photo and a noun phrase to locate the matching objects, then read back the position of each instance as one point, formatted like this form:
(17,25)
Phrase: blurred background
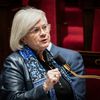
(75,24)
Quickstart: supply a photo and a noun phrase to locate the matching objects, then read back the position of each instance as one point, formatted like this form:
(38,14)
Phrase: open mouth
(44,40)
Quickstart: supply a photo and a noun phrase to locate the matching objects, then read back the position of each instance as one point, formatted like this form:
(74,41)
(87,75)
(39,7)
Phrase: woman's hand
(53,77)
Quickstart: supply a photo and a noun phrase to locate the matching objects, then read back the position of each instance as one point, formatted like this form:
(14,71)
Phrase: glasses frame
(38,30)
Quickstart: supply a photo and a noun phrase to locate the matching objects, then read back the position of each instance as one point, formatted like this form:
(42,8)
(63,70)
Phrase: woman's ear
(23,40)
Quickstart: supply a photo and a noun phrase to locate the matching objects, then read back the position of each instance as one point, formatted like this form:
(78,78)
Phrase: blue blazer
(74,59)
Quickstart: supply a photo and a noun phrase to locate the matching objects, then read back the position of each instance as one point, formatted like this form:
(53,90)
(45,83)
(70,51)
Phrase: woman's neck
(40,55)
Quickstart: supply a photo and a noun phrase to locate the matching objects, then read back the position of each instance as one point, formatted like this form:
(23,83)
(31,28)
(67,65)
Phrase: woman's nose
(42,32)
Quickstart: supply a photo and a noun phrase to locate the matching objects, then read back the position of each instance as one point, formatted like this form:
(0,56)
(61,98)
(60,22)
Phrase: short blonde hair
(23,21)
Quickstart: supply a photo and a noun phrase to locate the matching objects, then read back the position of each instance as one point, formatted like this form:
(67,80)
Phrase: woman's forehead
(39,23)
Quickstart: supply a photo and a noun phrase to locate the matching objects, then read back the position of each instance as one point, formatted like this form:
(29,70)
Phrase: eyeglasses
(45,28)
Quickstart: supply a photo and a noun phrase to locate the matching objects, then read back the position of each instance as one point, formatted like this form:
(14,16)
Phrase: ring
(55,76)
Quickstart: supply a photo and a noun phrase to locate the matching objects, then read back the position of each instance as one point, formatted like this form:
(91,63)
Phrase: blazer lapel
(54,50)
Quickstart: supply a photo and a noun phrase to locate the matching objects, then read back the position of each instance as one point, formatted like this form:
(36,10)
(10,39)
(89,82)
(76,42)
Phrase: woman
(30,72)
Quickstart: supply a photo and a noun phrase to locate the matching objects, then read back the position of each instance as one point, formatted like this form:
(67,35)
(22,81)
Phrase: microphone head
(59,59)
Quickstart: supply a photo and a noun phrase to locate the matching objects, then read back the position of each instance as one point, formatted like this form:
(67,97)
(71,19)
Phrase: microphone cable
(60,60)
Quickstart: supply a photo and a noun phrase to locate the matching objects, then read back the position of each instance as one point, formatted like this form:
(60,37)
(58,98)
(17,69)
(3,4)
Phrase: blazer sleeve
(14,82)
(75,60)
(79,85)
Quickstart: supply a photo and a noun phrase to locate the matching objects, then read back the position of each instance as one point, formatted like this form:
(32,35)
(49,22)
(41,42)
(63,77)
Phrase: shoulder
(14,56)
(71,56)
(12,60)
(64,51)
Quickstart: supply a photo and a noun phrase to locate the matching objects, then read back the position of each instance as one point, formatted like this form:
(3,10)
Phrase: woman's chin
(45,45)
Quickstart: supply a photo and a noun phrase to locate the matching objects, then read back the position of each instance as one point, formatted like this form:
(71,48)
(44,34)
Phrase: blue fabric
(38,73)
(35,68)
(74,59)
(52,94)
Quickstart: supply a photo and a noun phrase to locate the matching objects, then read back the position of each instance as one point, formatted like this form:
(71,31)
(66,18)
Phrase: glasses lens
(45,28)
(36,30)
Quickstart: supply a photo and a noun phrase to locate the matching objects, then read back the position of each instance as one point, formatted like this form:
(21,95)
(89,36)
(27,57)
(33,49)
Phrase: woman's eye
(44,27)
(36,30)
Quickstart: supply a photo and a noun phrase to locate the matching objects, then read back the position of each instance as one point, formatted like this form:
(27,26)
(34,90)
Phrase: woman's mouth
(44,40)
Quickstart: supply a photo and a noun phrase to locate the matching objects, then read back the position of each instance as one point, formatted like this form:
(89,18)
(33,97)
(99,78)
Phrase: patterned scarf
(36,69)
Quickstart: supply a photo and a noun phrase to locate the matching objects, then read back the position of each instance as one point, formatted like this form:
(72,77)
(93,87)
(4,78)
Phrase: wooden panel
(91,59)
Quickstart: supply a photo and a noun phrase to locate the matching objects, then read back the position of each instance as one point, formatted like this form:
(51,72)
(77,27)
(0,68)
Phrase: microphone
(61,61)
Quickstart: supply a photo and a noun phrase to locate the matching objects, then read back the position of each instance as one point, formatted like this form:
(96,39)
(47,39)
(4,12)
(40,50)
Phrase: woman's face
(38,38)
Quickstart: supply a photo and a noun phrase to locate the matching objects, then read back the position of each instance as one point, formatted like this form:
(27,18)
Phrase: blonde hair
(23,21)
